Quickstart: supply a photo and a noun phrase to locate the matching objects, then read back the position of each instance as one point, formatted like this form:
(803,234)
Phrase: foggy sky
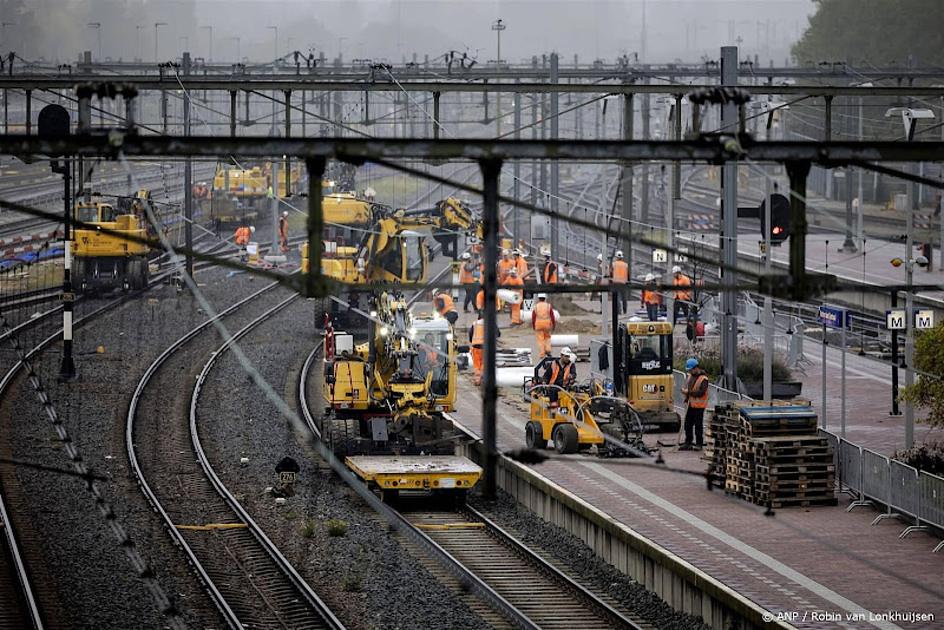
(685,30)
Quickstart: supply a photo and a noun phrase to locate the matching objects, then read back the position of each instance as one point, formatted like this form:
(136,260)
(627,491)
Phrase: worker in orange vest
(446,308)
(283,232)
(683,293)
(477,341)
(549,271)
(521,264)
(696,395)
(480,301)
(651,299)
(620,275)
(543,322)
(513,281)
(467,280)
(505,265)
(561,373)
(243,234)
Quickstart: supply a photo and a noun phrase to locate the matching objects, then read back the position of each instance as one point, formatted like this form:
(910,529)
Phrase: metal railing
(898,489)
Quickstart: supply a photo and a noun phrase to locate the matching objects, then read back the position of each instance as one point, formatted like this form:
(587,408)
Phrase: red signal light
(777,230)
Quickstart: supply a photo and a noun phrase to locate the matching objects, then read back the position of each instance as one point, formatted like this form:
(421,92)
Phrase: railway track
(218,537)
(518,586)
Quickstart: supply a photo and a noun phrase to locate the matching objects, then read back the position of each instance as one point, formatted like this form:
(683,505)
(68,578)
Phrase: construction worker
(549,270)
(543,322)
(561,372)
(521,264)
(620,275)
(695,393)
(505,265)
(513,281)
(243,234)
(480,300)
(467,280)
(651,299)
(477,341)
(446,308)
(682,294)
(283,232)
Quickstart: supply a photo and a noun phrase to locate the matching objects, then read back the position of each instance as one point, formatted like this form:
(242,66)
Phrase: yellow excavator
(106,261)
(392,247)
(385,400)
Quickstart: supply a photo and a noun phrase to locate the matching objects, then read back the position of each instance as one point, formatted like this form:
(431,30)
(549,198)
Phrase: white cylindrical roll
(526,315)
(560,341)
(509,296)
(512,376)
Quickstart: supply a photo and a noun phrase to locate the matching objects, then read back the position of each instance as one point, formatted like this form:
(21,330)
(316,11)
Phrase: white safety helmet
(252,229)
(285,213)
(466,256)
(506,252)
(516,252)
(512,272)
(650,277)
(567,352)
(619,253)
(676,269)
(600,257)
(541,296)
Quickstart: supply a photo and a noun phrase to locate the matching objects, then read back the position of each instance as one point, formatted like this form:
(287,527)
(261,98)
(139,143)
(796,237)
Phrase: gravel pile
(96,585)
(585,566)
(364,575)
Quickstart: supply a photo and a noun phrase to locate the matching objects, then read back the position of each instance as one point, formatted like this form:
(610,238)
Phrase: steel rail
(301,586)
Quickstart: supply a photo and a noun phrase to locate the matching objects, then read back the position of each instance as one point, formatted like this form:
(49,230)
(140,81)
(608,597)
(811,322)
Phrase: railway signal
(779,218)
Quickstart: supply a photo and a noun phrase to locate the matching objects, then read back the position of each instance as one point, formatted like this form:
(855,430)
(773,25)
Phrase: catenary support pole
(909,309)
(288,134)
(729,329)
(491,170)
(626,186)
(67,366)
(555,166)
(315,225)
(516,184)
(274,206)
(232,113)
(188,178)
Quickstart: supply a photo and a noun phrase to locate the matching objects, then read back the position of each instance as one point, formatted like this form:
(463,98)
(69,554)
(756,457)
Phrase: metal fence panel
(833,440)
(931,490)
(903,488)
(875,476)
(850,460)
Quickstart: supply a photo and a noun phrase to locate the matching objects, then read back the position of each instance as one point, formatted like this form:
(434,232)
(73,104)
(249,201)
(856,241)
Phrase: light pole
(236,39)
(498,26)
(137,32)
(98,29)
(157,25)
(276,29)
(210,49)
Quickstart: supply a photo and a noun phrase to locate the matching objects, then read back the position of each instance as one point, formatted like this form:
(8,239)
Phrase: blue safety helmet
(690,364)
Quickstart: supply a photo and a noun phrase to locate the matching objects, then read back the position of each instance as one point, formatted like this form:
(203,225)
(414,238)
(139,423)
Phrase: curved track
(203,518)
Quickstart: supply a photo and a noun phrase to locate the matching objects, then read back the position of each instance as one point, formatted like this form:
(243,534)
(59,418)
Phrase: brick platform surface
(809,561)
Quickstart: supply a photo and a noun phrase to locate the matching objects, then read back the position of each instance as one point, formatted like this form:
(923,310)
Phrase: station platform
(805,560)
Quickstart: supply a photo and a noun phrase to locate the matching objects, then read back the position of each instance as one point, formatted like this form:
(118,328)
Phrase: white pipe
(512,376)
(565,340)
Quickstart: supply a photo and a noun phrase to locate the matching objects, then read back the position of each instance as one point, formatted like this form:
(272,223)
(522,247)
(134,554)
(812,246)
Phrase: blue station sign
(833,317)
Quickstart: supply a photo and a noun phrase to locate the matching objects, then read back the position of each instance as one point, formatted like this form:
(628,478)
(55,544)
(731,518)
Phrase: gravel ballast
(583,565)
(95,583)
(365,576)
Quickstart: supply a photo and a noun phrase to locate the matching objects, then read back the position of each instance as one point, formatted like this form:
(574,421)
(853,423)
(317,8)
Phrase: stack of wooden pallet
(770,454)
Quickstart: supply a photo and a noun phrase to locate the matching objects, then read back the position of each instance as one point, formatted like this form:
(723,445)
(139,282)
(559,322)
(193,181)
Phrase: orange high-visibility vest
(683,294)
(465,275)
(542,316)
(504,266)
(651,297)
(443,303)
(620,271)
(478,333)
(555,372)
(699,402)
(550,272)
(242,235)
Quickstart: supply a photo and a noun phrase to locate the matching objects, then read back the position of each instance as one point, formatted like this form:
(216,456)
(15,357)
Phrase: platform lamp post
(910,118)
(209,29)
(498,26)
(157,25)
(98,29)
(137,32)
